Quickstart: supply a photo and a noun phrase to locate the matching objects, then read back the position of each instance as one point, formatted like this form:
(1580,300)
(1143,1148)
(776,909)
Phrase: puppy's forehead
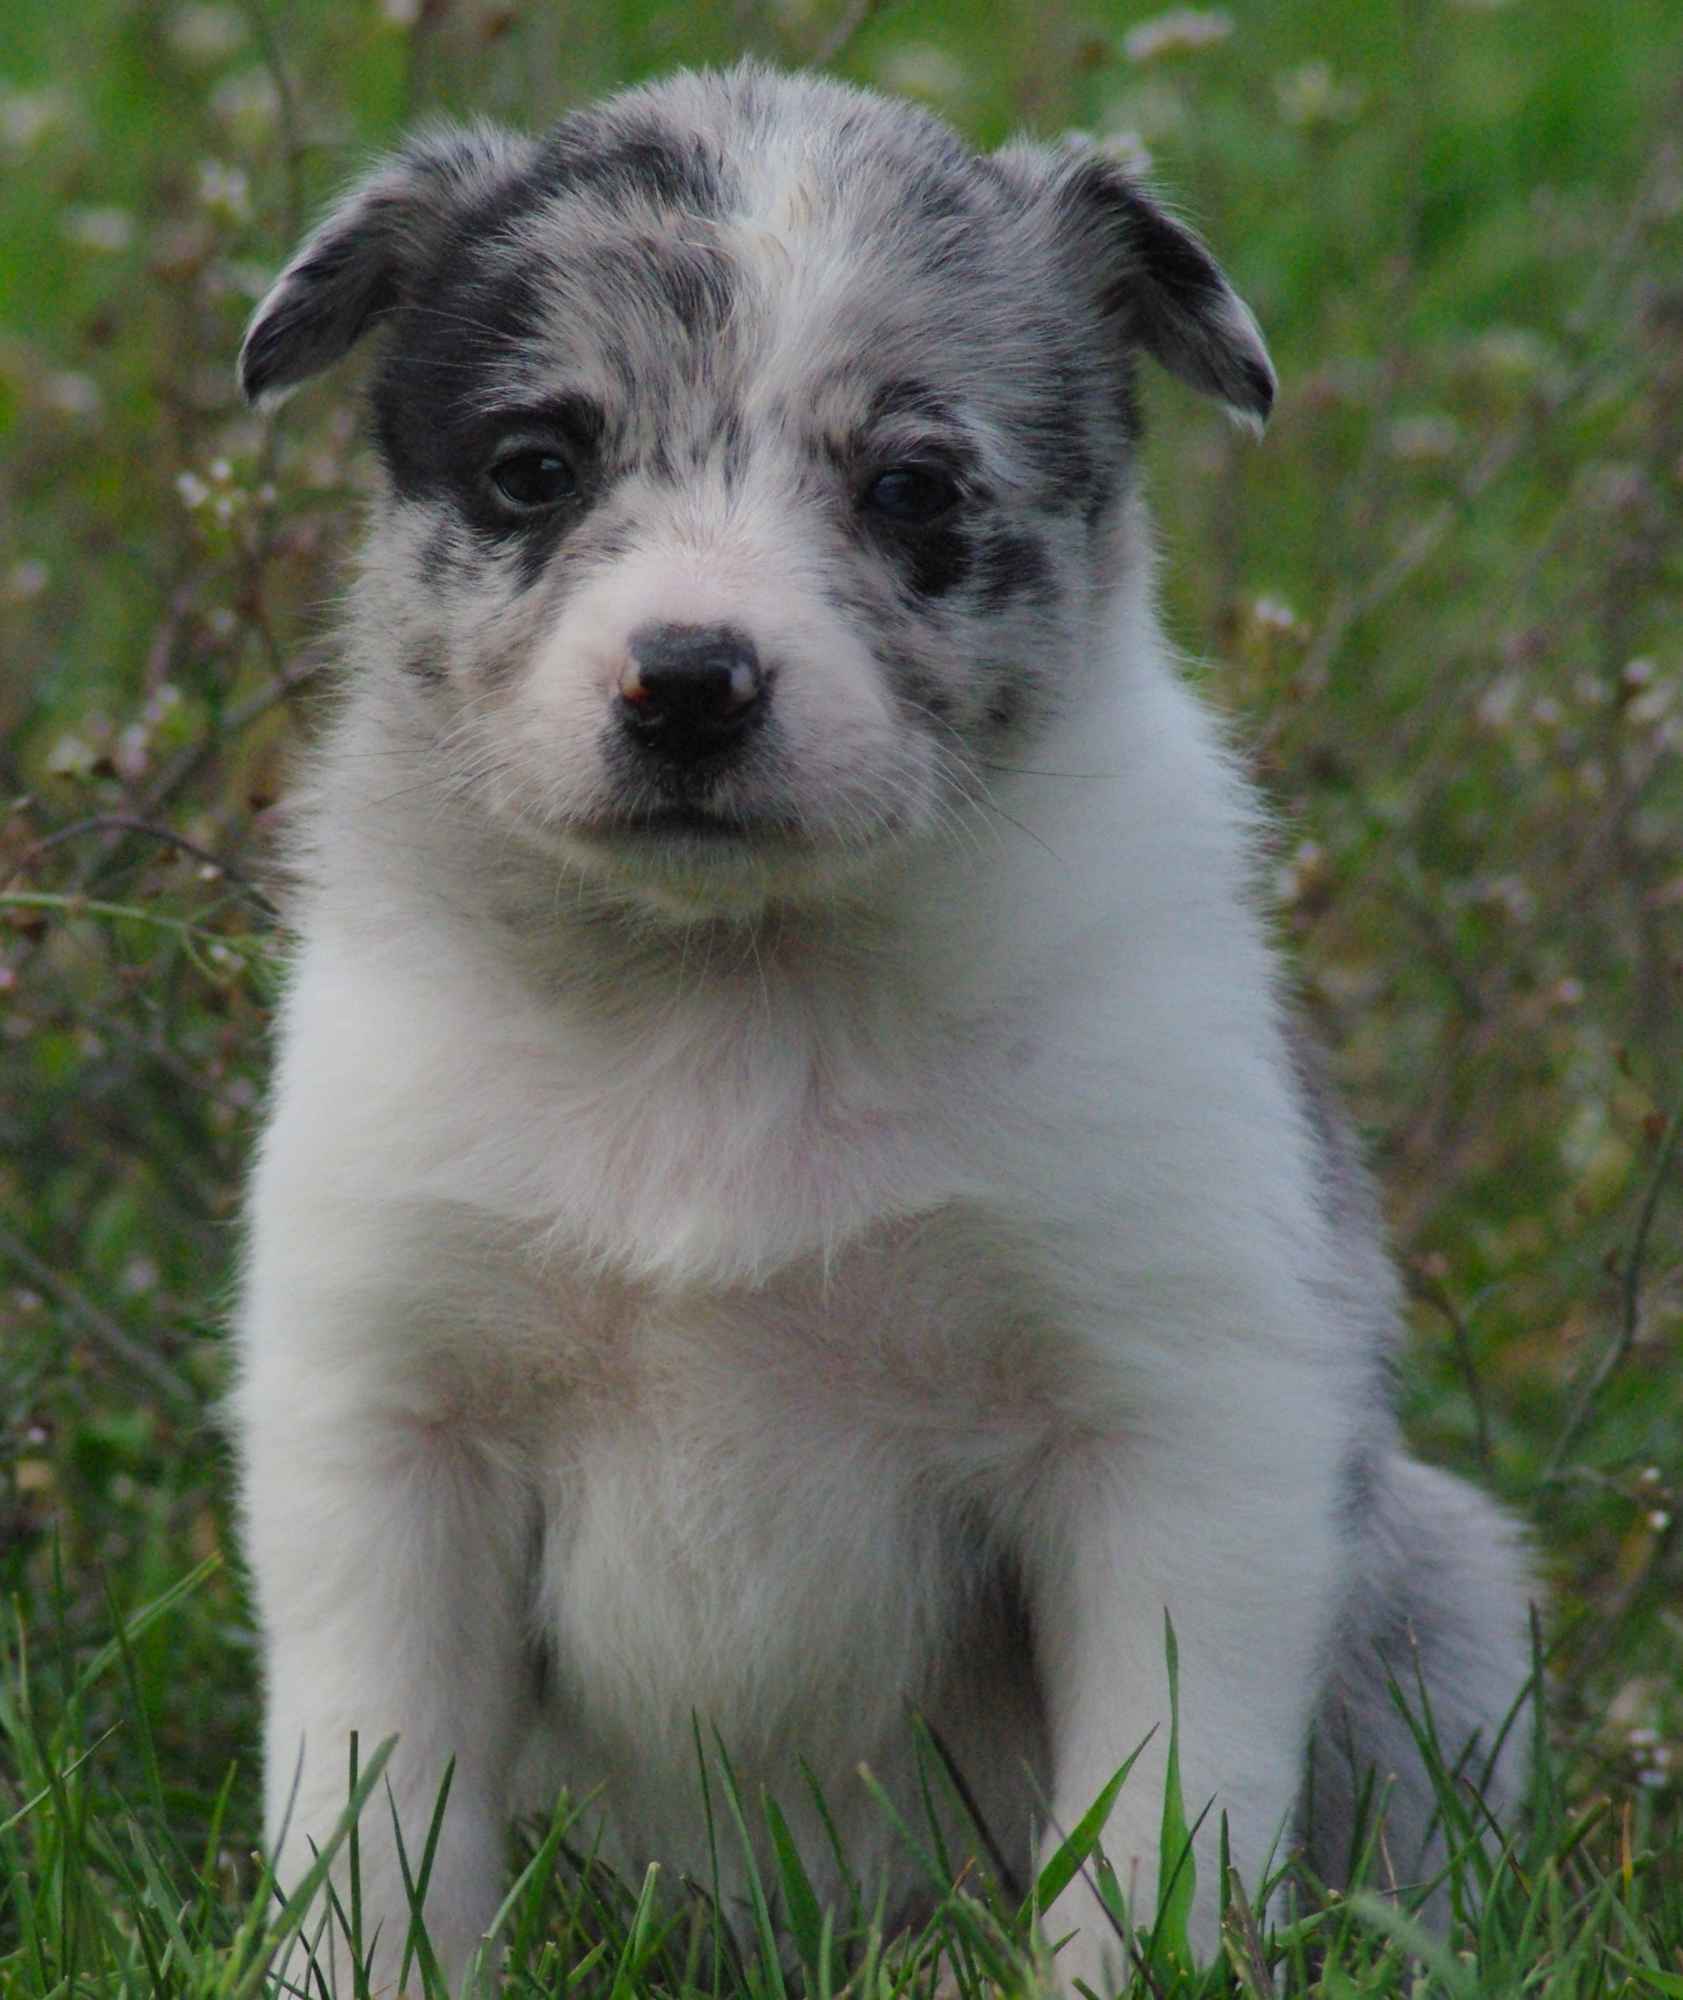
(786,154)
(715,221)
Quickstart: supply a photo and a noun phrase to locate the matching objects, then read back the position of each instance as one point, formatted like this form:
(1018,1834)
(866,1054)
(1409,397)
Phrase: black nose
(690,689)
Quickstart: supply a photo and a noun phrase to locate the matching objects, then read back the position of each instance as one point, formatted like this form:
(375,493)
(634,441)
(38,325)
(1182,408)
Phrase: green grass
(102,1895)
(1440,601)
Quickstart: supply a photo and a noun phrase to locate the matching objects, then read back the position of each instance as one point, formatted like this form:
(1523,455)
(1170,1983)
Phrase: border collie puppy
(792,1199)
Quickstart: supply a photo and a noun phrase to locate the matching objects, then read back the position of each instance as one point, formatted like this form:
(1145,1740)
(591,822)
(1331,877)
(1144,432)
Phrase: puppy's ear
(361,261)
(1154,280)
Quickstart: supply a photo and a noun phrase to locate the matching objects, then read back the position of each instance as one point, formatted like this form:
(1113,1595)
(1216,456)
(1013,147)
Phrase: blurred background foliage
(1441,602)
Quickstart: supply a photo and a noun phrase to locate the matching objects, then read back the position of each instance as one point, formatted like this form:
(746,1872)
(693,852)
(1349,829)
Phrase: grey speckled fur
(1437,1594)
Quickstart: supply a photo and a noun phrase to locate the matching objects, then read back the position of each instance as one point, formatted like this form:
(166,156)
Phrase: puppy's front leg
(387,1554)
(1239,1552)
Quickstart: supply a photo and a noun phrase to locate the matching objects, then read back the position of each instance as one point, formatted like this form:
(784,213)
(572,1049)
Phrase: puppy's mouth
(686,824)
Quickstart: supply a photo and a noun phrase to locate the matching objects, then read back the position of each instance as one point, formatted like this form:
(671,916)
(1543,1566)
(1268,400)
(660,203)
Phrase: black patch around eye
(913,513)
(913,497)
(526,479)
(934,561)
(534,479)
(447,342)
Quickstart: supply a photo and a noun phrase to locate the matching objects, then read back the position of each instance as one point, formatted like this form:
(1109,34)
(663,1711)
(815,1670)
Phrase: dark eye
(533,479)
(912,496)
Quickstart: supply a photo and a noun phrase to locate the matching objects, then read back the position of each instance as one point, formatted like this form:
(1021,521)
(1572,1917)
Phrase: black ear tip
(250,373)
(1263,386)
(259,369)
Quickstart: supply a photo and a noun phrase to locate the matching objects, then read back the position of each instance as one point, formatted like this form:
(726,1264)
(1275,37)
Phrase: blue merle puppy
(791,1197)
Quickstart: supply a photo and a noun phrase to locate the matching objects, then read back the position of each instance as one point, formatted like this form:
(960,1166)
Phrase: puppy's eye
(912,496)
(533,479)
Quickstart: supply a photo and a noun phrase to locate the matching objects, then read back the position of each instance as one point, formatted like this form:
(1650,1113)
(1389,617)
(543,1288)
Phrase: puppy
(791,1197)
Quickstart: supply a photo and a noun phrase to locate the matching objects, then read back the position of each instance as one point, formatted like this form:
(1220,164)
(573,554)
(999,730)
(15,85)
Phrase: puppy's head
(753,454)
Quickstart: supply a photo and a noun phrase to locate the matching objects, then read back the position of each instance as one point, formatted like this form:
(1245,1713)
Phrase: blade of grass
(1177,1872)
(800,1904)
(756,1889)
(1073,1852)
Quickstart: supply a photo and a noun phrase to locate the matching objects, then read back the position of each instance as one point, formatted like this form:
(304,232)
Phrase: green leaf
(1072,1855)
(303,1893)
(801,1908)
(756,1891)
(1177,1873)
(1668,1983)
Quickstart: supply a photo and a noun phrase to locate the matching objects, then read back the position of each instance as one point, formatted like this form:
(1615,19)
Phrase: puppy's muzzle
(690,691)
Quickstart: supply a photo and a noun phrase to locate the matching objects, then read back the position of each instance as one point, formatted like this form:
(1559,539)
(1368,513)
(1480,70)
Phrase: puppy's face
(752,455)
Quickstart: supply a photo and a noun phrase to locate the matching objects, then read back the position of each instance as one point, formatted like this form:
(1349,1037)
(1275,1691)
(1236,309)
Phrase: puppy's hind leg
(1437,1605)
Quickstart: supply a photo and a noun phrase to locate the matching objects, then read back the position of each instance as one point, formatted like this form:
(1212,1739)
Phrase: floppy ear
(1154,279)
(361,261)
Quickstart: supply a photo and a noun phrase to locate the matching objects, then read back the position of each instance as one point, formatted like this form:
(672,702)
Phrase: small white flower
(921,69)
(205,34)
(27,116)
(248,279)
(131,753)
(1513,351)
(73,395)
(1182,31)
(105,229)
(140,1275)
(1274,614)
(25,580)
(71,756)
(248,102)
(1425,440)
(1125,147)
(1309,95)
(1659,1520)
(1497,706)
(224,190)
(194,492)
